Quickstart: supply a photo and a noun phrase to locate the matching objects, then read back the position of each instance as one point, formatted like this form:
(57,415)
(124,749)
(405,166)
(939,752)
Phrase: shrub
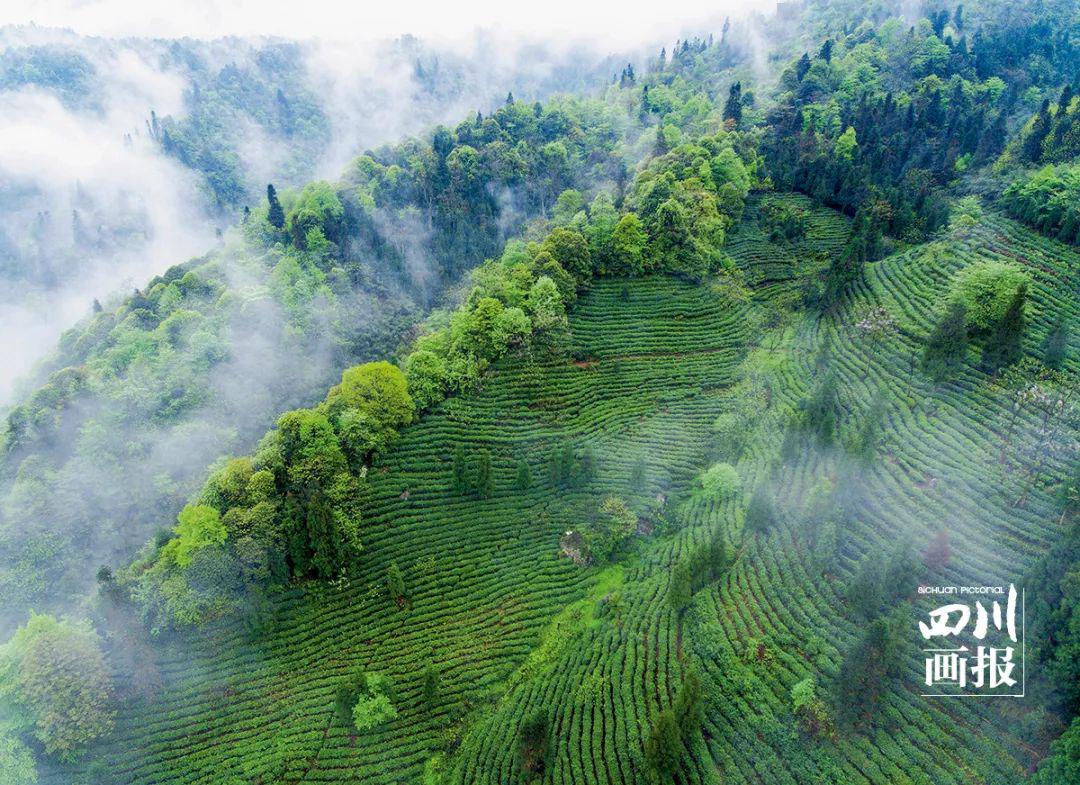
(720,481)
(985,289)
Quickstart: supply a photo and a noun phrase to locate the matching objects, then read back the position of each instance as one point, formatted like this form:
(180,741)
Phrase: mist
(92,205)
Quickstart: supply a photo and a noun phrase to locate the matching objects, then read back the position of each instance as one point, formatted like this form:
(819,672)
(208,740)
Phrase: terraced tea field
(511,626)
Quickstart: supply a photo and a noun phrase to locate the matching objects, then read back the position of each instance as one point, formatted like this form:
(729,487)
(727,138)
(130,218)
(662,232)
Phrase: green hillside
(662,416)
(509,626)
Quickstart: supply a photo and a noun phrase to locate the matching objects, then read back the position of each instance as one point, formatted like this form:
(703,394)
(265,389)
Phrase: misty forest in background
(604,438)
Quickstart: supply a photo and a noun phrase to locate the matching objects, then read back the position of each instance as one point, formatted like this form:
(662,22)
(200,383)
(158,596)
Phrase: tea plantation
(495,623)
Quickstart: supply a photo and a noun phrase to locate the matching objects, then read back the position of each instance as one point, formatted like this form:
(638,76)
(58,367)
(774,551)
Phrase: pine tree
(275,215)
(429,686)
(870,427)
(869,667)
(663,747)
(946,347)
(680,590)
(395,584)
(461,479)
(1056,343)
(1039,129)
(533,742)
(802,66)
(687,706)
(1004,345)
(826,50)
(733,107)
(821,407)
(523,480)
(760,515)
(719,554)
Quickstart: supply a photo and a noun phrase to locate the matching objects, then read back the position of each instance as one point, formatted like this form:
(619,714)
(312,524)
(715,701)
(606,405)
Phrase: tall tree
(1004,345)
(663,747)
(946,347)
(275,215)
(733,107)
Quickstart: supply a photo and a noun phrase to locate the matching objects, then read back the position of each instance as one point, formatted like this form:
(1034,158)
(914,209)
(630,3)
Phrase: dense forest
(609,437)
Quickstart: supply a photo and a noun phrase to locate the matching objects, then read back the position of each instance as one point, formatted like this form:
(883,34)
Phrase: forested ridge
(668,399)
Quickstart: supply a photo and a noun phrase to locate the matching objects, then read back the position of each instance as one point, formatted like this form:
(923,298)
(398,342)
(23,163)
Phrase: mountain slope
(510,626)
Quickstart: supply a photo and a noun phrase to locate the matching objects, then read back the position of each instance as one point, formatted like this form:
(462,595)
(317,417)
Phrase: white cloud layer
(609,23)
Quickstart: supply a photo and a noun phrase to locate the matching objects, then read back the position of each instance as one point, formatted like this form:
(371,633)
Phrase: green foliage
(811,710)
(784,222)
(317,214)
(1049,200)
(198,526)
(370,406)
(663,747)
(523,476)
(985,290)
(429,686)
(687,199)
(1004,344)
(395,585)
(680,590)
(760,513)
(374,701)
(1063,763)
(869,668)
(628,243)
(533,743)
(16,761)
(720,481)
(946,347)
(608,528)
(54,682)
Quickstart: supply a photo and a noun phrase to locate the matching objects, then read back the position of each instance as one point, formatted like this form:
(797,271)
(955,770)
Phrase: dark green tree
(760,514)
(802,66)
(429,686)
(663,747)
(1004,345)
(946,347)
(533,742)
(461,476)
(869,668)
(733,107)
(395,585)
(821,408)
(1040,128)
(687,706)
(871,427)
(523,480)
(680,590)
(275,215)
